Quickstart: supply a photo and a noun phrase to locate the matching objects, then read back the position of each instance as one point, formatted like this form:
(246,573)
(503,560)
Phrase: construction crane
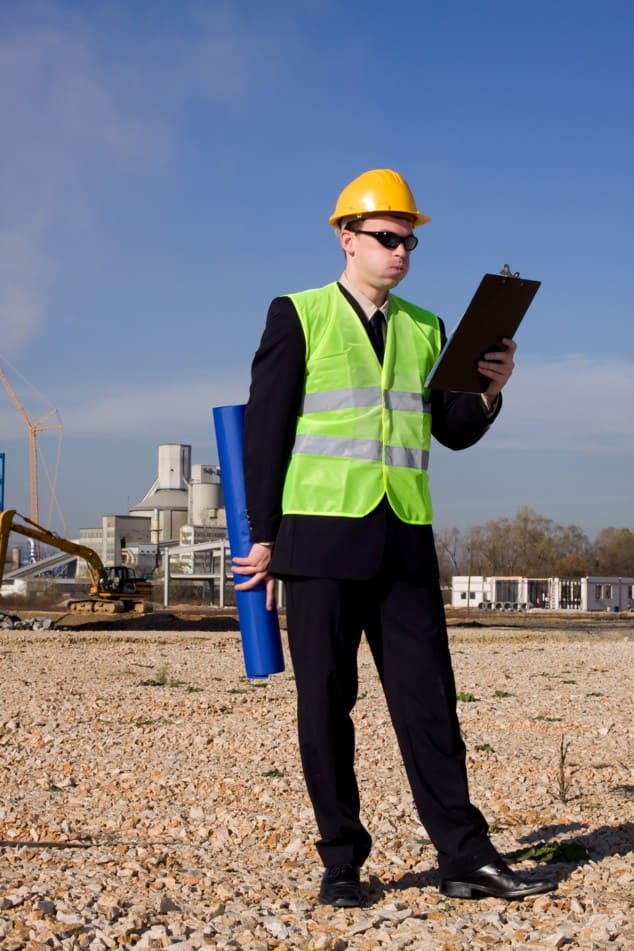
(33,428)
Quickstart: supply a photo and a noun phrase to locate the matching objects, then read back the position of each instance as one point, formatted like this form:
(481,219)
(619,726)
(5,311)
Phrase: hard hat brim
(417,220)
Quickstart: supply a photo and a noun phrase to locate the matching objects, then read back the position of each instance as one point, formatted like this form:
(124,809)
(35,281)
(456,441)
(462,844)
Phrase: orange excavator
(112,589)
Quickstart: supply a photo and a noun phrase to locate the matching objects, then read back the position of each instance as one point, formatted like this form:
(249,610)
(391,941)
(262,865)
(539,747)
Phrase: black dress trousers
(405,627)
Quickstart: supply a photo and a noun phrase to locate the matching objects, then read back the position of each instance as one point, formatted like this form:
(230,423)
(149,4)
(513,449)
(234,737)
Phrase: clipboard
(496,310)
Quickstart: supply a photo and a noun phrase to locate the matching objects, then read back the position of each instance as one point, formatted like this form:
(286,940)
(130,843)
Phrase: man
(336,446)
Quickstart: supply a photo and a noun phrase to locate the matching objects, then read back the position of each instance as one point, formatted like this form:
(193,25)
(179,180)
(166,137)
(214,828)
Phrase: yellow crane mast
(34,429)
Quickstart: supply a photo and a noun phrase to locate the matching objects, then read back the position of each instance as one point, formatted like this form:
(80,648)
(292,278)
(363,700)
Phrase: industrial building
(183,506)
(592,593)
(182,512)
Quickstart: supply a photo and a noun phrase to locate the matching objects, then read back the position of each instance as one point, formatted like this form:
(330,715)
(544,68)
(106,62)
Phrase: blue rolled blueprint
(260,629)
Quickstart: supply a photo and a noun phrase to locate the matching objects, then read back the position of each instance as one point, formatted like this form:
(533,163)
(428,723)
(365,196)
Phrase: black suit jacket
(330,546)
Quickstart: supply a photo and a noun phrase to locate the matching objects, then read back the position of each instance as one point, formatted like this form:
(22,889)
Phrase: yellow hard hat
(378,190)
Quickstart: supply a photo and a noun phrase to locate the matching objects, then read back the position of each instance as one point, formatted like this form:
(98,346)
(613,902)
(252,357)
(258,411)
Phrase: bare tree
(530,545)
(450,551)
(533,546)
(614,552)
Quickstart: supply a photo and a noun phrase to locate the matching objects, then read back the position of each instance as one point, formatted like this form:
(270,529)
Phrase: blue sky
(168,168)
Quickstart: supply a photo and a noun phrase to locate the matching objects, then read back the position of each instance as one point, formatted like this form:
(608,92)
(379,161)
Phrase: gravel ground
(152,796)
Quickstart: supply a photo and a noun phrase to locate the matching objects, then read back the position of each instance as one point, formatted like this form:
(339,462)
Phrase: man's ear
(346,238)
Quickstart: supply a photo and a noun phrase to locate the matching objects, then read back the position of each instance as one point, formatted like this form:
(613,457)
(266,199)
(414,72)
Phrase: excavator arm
(33,530)
(112,589)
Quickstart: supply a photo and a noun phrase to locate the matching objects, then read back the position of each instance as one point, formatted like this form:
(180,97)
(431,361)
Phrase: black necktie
(377,323)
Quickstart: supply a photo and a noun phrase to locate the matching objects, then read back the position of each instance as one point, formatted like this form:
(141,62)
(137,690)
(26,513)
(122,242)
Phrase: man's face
(367,259)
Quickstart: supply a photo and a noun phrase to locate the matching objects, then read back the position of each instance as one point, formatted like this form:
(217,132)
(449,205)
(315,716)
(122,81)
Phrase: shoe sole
(464,890)
(341,902)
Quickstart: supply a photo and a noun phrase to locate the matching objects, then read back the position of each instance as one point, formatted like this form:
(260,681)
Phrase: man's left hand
(498,367)
(256,564)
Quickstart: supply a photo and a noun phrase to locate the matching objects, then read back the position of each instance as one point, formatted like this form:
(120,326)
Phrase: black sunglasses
(390,240)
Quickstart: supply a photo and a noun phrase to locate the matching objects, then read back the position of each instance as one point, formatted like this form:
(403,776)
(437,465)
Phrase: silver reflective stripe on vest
(402,399)
(341,399)
(338,446)
(406,458)
(364,396)
(371,449)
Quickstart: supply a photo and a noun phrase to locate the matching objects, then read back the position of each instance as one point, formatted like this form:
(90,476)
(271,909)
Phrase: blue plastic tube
(259,628)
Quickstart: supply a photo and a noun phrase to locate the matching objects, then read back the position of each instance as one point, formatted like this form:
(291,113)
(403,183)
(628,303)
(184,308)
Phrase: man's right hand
(256,564)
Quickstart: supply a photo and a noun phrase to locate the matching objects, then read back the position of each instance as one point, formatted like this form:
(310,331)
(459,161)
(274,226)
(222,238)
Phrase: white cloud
(576,402)
(180,409)
(58,119)
(84,93)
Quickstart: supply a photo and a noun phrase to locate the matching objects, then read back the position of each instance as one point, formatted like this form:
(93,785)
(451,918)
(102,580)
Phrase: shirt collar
(366,305)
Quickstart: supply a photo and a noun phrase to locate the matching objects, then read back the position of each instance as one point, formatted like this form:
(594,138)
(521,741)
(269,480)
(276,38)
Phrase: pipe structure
(259,628)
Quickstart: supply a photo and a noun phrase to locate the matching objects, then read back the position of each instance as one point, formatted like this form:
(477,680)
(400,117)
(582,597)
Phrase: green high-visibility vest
(363,430)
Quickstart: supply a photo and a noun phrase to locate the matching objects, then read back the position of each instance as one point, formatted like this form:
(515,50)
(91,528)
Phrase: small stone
(275,927)
(556,940)
(68,918)
(167,905)
(106,941)
(46,906)
(541,903)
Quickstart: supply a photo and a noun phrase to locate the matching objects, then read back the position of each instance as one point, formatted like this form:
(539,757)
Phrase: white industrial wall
(174,465)
(595,593)
(107,540)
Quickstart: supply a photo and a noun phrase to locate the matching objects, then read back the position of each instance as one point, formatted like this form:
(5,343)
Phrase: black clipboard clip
(507,272)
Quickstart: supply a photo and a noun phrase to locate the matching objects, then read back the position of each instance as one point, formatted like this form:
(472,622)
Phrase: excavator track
(109,606)
(93,606)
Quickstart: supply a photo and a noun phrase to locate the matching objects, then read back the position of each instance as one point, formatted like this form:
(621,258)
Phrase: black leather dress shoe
(340,886)
(495,880)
